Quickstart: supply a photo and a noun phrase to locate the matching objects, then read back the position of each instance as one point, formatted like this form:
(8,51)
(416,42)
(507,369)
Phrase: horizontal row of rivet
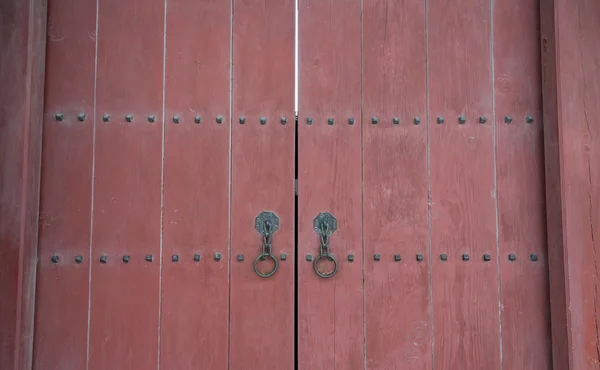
(417,120)
(130,118)
(240,257)
(444,257)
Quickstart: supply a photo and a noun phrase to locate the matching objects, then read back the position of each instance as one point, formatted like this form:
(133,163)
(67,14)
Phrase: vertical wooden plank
(127,186)
(463,205)
(195,294)
(61,323)
(397,292)
(570,69)
(521,196)
(330,311)
(262,309)
(22,57)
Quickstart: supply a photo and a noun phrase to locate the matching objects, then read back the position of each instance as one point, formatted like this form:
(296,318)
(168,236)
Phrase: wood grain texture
(195,294)
(463,205)
(61,324)
(571,64)
(22,35)
(262,309)
(397,305)
(127,186)
(521,195)
(330,311)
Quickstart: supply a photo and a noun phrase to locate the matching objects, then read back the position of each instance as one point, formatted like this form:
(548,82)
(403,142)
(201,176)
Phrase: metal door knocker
(325,224)
(266,224)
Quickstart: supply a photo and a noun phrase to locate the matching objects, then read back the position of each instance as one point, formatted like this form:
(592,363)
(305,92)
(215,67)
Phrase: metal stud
(129,118)
(59,117)
(529,119)
(197,119)
(462,120)
(330,121)
(103,259)
(78,259)
(507,119)
(512,257)
(440,120)
(283,257)
(482,119)
(487,257)
(149,258)
(126,259)
(419,258)
(376,256)
(465,257)
(196,258)
(54,259)
(175,119)
(309,257)
(242,120)
(444,257)
(395,120)
(350,258)
(218,256)
(283,120)
(309,121)
(175,258)
(351,120)
(106,118)
(151,118)
(533,257)
(219,119)
(397,258)
(374,120)
(81,117)
(240,258)
(263,120)
(417,121)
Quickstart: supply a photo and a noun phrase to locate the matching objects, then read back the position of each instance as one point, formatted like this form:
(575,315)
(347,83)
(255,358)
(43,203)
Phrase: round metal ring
(330,258)
(270,273)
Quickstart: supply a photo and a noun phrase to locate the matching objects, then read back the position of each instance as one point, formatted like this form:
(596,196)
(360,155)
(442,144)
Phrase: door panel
(127,186)
(396,225)
(263,134)
(463,202)
(521,188)
(66,188)
(330,311)
(195,286)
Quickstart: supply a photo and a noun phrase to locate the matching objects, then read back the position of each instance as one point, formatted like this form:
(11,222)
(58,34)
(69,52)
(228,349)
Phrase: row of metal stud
(240,257)
(443,257)
(417,120)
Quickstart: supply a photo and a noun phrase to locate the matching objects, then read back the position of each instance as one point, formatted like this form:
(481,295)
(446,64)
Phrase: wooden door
(163,141)
(171,234)
(423,117)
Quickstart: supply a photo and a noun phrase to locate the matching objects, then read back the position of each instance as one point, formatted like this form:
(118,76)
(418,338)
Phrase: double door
(190,219)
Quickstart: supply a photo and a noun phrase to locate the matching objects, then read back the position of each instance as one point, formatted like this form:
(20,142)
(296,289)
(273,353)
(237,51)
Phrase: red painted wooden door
(403,208)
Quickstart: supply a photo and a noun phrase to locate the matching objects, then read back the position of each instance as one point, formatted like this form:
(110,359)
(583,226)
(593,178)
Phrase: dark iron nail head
(126,259)
(78,259)
(283,257)
(240,257)
(219,119)
(197,119)
(395,120)
(175,119)
(419,257)
(196,257)
(309,121)
(309,257)
(54,259)
(103,259)
(129,118)
(175,258)
(376,256)
(330,121)
(417,120)
(283,120)
(462,120)
(351,121)
(397,258)
(533,257)
(440,120)
(106,118)
(218,256)
(512,257)
(487,257)
(374,120)
(58,116)
(444,257)
(465,257)
(482,119)
(508,119)
(81,117)
(263,120)
(149,258)
(151,119)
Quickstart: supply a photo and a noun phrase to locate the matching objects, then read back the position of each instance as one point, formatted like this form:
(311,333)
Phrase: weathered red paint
(397,293)
(570,69)
(330,311)
(61,325)
(124,311)
(463,201)
(195,294)
(22,36)
(520,187)
(262,179)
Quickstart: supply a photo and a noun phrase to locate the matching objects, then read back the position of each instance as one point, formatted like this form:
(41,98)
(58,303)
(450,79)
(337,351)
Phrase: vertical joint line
(162,182)
(231,9)
(362,185)
(495,148)
(429,199)
(94,112)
